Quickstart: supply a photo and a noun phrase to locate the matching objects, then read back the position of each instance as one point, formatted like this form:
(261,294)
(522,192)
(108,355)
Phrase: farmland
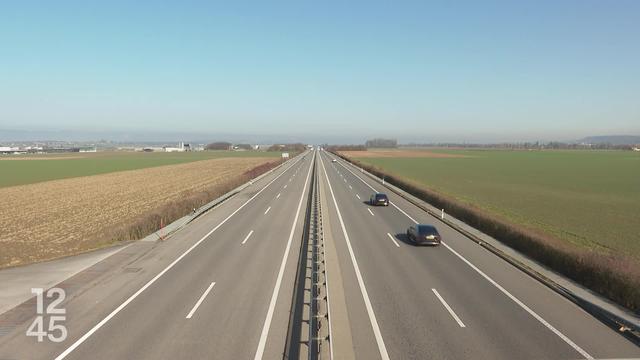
(49,219)
(585,198)
(29,169)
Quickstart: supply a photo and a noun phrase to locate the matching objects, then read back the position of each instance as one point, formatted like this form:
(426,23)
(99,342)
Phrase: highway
(146,304)
(454,301)
(222,287)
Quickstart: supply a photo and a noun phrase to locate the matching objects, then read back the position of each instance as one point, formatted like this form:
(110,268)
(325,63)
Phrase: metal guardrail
(178,224)
(319,316)
(210,205)
(308,331)
(622,326)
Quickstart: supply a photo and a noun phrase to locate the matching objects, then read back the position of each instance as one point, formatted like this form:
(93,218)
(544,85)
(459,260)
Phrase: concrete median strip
(340,337)
(372,317)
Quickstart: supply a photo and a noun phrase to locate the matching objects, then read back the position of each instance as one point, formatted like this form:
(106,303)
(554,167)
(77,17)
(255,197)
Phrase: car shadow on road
(404,238)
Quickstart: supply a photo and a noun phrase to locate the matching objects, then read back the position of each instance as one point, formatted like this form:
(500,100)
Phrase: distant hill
(611,139)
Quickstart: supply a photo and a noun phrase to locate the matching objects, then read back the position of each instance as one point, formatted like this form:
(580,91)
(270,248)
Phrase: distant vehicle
(379,199)
(424,234)
(334,160)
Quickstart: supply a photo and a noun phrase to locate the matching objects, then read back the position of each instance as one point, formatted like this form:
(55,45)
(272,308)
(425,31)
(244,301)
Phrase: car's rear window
(427,230)
(381,196)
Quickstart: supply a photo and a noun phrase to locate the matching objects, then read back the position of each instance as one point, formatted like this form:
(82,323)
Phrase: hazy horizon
(479,72)
(155,136)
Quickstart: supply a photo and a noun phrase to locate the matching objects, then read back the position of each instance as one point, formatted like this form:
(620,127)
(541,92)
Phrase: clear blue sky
(497,70)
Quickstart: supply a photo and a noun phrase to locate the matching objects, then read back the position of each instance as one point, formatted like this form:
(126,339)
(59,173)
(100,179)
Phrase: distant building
(10,150)
(636,148)
(180,148)
(241,147)
(262,147)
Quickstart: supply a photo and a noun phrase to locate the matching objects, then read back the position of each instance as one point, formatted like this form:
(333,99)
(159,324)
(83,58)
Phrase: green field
(589,198)
(30,169)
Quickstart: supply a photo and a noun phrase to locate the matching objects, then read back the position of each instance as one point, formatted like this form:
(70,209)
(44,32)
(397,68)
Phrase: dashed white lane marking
(350,187)
(358,196)
(522,305)
(367,302)
(370,212)
(266,211)
(247,238)
(277,196)
(498,286)
(393,239)
(102,322)
(276,289)
(286,186)
(195,307)
(453,314)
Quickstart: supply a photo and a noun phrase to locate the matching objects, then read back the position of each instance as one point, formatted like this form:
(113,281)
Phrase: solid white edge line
(498,286)
(393,239)
(276,289)
(197,305)
(370,212)
(326,281)
(96,327)
(372,188)
(266,211)
(453,314)
(247,238)
(372,317)
(522,305)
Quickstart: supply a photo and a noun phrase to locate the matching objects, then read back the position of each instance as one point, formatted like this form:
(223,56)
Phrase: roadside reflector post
(442,215)
(382,179)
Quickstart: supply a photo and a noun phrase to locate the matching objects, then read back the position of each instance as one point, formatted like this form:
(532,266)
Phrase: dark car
(379,199)
(424,234)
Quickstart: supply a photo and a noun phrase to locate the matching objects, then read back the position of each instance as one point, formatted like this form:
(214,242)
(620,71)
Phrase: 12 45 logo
(54,329)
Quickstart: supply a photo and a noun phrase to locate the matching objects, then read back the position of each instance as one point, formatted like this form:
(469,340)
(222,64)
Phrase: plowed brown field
(62,217)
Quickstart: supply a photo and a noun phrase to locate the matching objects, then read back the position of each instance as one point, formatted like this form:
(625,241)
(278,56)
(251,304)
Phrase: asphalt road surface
(221,288)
